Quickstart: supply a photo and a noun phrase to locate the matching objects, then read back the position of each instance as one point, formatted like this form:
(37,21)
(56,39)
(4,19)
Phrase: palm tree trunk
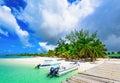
(85,55)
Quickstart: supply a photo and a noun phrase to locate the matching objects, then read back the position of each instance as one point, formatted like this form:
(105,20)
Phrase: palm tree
(60,48)
(81,45)
(50,53)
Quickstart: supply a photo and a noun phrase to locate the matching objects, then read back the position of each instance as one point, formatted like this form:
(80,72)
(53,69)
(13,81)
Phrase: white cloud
(46,47)
(51,19)
(8,22)
(39,50)
(4,32)
(106,20)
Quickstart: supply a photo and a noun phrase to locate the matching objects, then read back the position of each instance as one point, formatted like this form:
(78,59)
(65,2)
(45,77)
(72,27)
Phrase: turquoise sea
(21,73)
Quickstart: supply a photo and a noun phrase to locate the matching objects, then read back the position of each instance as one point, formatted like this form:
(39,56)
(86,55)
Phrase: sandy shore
(83,65)
(106,71)
(88,65)
(30,61)
(37,60)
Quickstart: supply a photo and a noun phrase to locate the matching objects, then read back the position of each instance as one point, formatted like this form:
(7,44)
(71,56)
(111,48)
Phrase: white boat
(70,67)
(58,71)
(48,63)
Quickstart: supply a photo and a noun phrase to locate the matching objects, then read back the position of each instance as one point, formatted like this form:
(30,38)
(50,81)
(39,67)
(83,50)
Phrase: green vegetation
(51,53)
(80,45)
(28,54)
(114,55)
(118,52)
(77,45)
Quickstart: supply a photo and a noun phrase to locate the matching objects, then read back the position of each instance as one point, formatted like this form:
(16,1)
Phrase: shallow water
(19,73)
(11,56)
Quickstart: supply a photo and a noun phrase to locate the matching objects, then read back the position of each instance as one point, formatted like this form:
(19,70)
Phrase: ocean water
(10,56)
(21,73)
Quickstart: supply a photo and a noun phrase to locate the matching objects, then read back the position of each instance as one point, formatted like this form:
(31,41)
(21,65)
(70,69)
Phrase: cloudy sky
(34,26)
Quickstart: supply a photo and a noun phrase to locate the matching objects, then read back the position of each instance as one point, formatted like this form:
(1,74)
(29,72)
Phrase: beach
(14,69)
(38,60)
(22,70)
(107,71)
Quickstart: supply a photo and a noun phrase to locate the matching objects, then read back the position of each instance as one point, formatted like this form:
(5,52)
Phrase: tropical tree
(118,52)
(98,50)
(60,49)
(80,44)
(51,53)
(112,52)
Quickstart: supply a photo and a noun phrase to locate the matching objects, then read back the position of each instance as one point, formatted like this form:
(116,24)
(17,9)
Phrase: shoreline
(28,61)
(37,60)
(33,61)
(84,66)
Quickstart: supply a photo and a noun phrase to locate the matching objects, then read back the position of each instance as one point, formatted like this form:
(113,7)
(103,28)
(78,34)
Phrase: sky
(34,26)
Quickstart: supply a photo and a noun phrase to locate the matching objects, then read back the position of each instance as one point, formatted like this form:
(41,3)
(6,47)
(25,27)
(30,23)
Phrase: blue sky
(30,26)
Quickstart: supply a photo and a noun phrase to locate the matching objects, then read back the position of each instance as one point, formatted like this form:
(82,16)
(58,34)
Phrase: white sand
(31,61)
(37,60)
(87,65)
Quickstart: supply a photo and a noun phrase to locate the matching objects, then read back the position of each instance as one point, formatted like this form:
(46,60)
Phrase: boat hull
(61,72)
